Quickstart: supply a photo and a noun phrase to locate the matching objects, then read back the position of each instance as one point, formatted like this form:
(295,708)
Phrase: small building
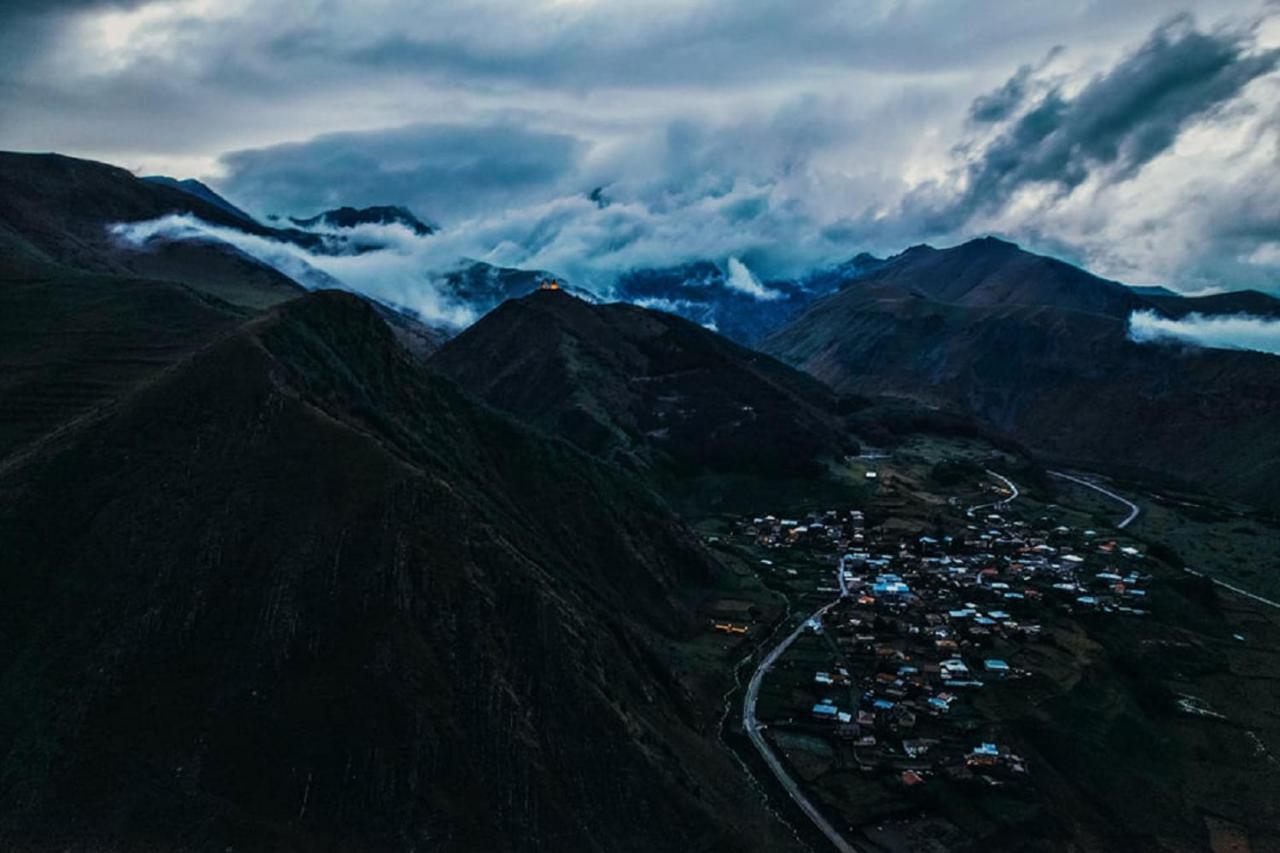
(826,711)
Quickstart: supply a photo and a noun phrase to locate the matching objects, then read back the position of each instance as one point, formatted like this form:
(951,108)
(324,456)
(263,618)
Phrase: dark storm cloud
(782,135)
(443,171)
(754,187)
(690,189)
(1120,121)
(26,26)
(700,43)
(1000,104)
(1005,101)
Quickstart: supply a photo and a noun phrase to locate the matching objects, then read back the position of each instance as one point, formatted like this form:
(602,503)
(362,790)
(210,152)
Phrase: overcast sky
(1140,138)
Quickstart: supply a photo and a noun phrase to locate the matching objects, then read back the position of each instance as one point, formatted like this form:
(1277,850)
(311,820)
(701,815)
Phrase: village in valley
(912,699)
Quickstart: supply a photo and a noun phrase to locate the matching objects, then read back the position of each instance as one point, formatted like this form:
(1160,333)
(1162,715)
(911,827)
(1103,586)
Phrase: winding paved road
(1009,484)
(1133,514)
(1134,510)
(753,727)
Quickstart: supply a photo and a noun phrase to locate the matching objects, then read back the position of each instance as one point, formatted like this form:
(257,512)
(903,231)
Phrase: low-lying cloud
(578,139)
(1235,331)
(741,280)
(1077,165)
(745,187)
(404,273)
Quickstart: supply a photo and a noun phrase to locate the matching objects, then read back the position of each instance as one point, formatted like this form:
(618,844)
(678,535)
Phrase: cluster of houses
(922,624)
(824,529)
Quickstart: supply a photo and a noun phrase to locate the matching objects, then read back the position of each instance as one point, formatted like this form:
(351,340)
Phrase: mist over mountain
(1228,331)
(794,186)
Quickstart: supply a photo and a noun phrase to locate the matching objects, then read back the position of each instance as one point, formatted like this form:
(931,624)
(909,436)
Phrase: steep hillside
(85,319)
(71,343)
(66,210)
(995,274)
(62,207)
(628,383)
(415,335)
(304,595)
(201,191)
(82,322)
(1040,350)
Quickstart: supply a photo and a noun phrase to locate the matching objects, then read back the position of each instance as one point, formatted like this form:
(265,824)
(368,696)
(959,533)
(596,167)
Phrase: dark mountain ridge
(480,287)
(1253,303)
(269,583)
(700,292)
(202,191)
(61,209)
(1040,350)
(304,594)
(994,273)
(350,217)
(644,387)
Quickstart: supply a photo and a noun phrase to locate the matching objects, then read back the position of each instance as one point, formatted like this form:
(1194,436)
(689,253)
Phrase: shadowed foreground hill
(71,342)
(1040,350)
(297,592)
(630,383)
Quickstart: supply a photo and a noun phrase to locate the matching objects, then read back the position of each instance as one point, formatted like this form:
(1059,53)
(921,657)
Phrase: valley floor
(994,665)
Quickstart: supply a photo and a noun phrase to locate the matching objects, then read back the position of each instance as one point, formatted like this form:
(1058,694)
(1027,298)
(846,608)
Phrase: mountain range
(642,387)
(1035,348)
(1041,351)
(271,582)
(288,568)
(350,217)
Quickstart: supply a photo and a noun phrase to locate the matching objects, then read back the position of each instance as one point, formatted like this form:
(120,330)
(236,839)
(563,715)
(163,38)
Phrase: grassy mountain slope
(633,384)
(298,593)
(84,322)
(1040,350)
(61,208)
(71,343)
(85,319)
(202,191)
